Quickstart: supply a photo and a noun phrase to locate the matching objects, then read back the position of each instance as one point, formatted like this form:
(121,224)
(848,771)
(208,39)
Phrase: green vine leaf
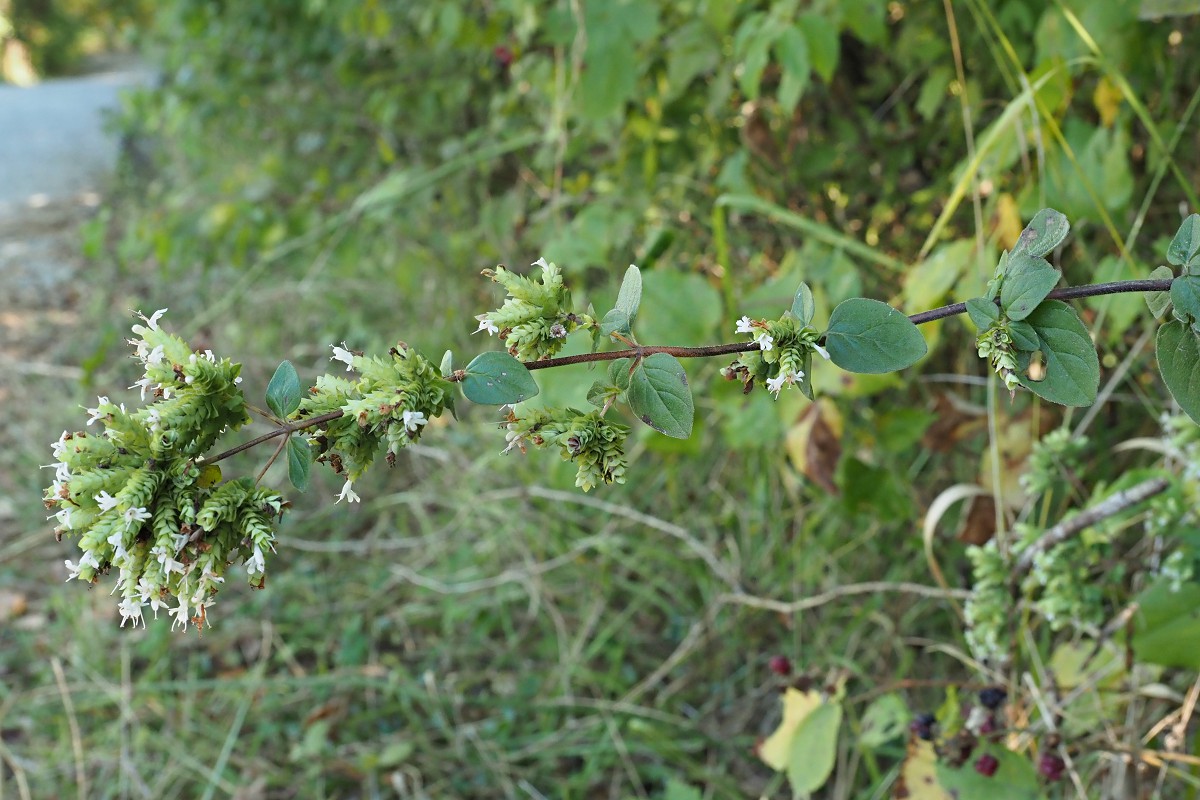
(616,321)
(1159,301)
(872,337)
(283,392)
(660,396)
(1023,335)
(983,312)
(1028,280)
(1044,232)
(496,378)
(447,365)
(1177,348)
(1185,247)
(299,457)
(813,753)
(1072,367)
(629,298)
(803,306)
(618,373)
(1185,297)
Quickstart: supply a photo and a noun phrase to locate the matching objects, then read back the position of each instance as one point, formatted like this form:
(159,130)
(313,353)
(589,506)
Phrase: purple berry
(922,726)
(1051,767)
(986,765)
(781,666)
(992,697)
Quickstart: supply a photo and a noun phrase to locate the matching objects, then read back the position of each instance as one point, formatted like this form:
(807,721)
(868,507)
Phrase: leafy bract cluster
(536,317)
(595,444)
(139,499)
(389,405)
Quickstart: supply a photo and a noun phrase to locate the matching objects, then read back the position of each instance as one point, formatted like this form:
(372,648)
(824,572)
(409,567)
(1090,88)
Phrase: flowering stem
(1068,293)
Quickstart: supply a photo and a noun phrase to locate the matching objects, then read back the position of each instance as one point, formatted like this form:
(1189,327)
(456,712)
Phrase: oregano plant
(144,495)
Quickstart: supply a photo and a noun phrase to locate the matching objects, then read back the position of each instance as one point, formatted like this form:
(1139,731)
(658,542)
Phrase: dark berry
(1051,767)
(922,726)
(986,765)
(992,697)
(781,666)
(988,726)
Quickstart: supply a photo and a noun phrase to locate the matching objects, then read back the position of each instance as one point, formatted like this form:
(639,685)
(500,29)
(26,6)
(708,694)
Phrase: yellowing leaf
(1107,99)
(918,775)
(814,443)
(210,475)
(797,706)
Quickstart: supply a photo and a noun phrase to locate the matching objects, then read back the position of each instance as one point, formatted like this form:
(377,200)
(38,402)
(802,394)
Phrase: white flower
(745,325)
(256,565)
(143,384)
(343,355)
(155,356)
(237,380)
(131,609)
(72,568)
(151,321)
(764,339)
(96,413)
(105,500)
(63,516)
(514,439)
(136,515)
(776,383)
(824,353)
(207,575)
(541,262)
(485,324)
(414,420)
(89,560)
(347,494)
(117,540)
(60,447)
(169,565)
(180,614)
(153,419)
(209,355)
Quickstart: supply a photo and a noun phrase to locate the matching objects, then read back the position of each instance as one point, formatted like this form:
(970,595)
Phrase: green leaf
(630,296)
(447,366)
(1072,368)
(599,394)
(814,748)
(615,321)
(823,43)
(983,312)
(1178,351)
(1023,335)
(1026,283)
(1166,627)
(660,396)
(618,373)
(1185,296)
(883,721)
(299,457)
(496,378)
(1158,301)
(678,790)
(869,336)
(791,51)
(1186,245)
(1044,232)
(803,306)
(283,392)
(1015,778)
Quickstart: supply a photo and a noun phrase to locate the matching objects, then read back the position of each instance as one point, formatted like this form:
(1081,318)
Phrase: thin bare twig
(1108,507)
(849,590)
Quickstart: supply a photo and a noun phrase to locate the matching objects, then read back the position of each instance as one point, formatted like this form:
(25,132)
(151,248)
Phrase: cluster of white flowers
(784,379)
(757,329)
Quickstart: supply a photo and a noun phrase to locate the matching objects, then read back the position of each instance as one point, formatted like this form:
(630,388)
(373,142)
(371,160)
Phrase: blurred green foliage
(312,171)
(59,34)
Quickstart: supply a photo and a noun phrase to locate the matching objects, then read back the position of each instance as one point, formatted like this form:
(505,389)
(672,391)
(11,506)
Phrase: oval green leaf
(299,457)
(803,306)
(1072,368)
(1178,351)
(1023,335)
(615,321)
(1044,232)
(983,312)
(872,337)
(814,749)
(629,299)
(660,396)
(283,392)
(1158,301)
(618,373)
(1185,247)
(1026,283)
(1185,296)
(496,378)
